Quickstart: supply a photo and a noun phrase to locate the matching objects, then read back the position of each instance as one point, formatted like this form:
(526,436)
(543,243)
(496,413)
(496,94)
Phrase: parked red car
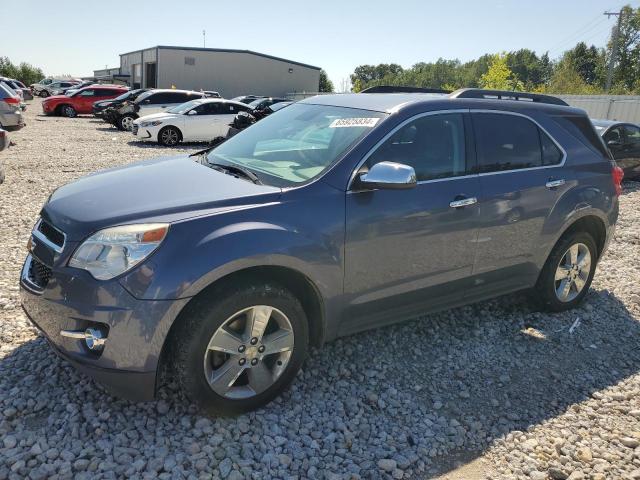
(81,101)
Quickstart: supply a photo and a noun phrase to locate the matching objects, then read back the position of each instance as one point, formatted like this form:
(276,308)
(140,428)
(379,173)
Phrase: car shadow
(432,392)
(154,145)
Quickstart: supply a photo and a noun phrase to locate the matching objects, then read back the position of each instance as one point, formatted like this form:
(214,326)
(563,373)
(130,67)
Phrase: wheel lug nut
(241,348)
(254,340)
(242,361)
(261,348)
(254,361)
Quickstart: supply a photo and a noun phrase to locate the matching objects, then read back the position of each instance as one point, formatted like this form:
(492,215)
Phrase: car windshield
(124,96)
(297,143)
(184,107)
(256,103)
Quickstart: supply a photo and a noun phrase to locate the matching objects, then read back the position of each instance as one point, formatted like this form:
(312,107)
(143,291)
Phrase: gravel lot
(494,390)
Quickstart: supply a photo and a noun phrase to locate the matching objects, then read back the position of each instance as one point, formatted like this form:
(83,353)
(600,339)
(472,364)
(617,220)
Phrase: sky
(78,37)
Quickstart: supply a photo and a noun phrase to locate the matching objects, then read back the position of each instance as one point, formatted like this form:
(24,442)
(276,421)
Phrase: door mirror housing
(192,112)
(388,175)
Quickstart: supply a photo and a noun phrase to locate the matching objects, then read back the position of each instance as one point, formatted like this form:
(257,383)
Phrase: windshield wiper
(236,170)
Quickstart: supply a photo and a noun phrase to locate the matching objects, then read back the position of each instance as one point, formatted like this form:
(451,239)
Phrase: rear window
(581,127)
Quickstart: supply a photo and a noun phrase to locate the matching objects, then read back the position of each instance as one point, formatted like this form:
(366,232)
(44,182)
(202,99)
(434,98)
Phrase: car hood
(164,189)
(157,116)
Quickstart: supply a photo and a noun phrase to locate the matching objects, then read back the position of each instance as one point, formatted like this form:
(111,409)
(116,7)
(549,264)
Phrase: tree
(326,85)
(365,75)
(25,72)
(566,79)
(627,50)
(587,61)
(526,66)
(499,76)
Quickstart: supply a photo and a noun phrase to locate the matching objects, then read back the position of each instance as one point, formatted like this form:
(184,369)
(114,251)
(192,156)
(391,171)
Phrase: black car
(102,105)
(246,98)
(262,103)
(623,140)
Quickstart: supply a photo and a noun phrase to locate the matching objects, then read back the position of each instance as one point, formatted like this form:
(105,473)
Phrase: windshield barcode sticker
(354,122)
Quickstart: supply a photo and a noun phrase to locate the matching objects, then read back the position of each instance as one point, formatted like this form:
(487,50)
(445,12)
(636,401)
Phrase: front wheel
(567,275)
(44,94)
(125,122)
(169,136)
(68,111)
(237,350)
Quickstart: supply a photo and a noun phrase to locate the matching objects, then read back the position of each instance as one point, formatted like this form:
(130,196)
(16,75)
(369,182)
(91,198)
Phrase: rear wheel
(239,349)
(68,111)
(125,122)
(44,93)
(567,275)
(169,136)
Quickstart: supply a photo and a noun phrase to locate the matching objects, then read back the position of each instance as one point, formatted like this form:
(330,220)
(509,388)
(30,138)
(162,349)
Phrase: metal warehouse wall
(128,60)
(611,107)
(233,73)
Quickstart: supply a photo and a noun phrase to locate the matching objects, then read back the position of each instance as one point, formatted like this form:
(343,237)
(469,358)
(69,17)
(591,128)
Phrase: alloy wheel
(248,352)
(572,272)
(127,123)
(169,137)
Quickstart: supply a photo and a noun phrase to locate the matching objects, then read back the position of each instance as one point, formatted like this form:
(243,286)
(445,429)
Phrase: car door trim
(557,144)
(479,174)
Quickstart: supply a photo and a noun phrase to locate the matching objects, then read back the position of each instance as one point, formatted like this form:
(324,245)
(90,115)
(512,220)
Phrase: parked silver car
(37,88)
(10,111)
(57,88)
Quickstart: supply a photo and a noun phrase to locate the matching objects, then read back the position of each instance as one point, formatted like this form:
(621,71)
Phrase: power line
(614,47)
(591,23)
(562,46)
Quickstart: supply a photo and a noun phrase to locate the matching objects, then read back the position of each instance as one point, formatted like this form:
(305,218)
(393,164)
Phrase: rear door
(631,161)
(521,178)
(413,249)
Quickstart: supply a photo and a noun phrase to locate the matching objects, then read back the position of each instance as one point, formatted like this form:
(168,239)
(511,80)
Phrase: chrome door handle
(465,202)
(554,183)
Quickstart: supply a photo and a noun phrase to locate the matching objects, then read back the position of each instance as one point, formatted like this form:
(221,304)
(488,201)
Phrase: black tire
(1,174)
(68,111)
(545,289)
(169,136)
(124,120)
(202,318)
(43,94)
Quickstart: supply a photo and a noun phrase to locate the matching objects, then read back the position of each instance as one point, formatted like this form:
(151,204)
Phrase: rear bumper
(13,120)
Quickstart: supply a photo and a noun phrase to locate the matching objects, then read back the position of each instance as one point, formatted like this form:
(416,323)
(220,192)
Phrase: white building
(230,72)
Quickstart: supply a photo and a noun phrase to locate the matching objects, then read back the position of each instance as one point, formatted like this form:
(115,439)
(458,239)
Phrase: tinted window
(551,154)
(434,145)
(230,108)
(89,92)
(506,142)
(212,108)
(632,134)
(581,127)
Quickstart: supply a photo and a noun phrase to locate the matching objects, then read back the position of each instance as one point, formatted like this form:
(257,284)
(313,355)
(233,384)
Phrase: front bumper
(72,299)
(141,133)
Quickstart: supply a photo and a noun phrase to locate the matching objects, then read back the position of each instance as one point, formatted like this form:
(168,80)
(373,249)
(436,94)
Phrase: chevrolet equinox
(336,214)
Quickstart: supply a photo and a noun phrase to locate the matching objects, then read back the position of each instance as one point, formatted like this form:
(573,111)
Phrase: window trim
(499,172)
(389,134)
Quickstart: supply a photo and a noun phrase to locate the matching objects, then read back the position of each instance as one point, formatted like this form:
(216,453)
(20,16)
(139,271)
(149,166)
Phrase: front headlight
(155,123)
(113,251)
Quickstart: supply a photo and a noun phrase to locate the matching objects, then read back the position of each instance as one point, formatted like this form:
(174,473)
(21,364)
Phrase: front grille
(39,273)
(51,233)
(134,129)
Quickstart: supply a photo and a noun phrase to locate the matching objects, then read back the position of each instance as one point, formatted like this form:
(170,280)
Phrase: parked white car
(195,121)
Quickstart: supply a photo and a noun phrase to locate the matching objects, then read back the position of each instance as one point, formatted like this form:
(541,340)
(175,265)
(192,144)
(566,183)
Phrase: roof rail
(402,89)
(507,95)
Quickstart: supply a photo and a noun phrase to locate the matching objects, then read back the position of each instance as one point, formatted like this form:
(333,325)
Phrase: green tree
(25,72)
(587,61)
(366,75)
(499,76)
(627,52)
(566,79)
(526,66)
(326,85)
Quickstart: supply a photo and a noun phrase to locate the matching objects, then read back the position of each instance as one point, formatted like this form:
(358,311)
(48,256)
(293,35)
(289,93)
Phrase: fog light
(94,338)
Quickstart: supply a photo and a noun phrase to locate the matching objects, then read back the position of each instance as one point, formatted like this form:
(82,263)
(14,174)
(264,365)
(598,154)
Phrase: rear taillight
(617,174)
(12,100)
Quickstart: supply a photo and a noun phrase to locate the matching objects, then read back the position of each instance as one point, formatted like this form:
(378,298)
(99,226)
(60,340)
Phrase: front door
(411,250)
(521,179)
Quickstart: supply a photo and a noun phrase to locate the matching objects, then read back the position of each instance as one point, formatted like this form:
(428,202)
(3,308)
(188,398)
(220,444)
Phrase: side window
(614,135)
(229,108)
(89,92)
(212,108)
(506,142)
(164,97)
(434,145)
(551,154)
(632,133)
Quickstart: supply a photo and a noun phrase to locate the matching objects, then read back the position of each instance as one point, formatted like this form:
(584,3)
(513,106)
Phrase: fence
(610,107)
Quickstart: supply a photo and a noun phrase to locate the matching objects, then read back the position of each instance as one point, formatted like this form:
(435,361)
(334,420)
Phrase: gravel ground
(494,390)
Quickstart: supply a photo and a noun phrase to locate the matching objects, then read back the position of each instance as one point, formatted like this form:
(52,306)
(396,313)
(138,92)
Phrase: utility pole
(614,48)
(204,38)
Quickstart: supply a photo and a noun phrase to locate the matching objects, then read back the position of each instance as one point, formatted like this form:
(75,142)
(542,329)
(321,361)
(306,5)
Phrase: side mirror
(192,112)
(388,175)
(614,143)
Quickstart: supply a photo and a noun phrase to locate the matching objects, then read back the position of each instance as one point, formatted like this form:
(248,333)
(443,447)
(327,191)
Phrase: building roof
(223,50)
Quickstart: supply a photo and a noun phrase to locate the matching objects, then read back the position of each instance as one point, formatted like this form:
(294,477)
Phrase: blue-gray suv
(336,214)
